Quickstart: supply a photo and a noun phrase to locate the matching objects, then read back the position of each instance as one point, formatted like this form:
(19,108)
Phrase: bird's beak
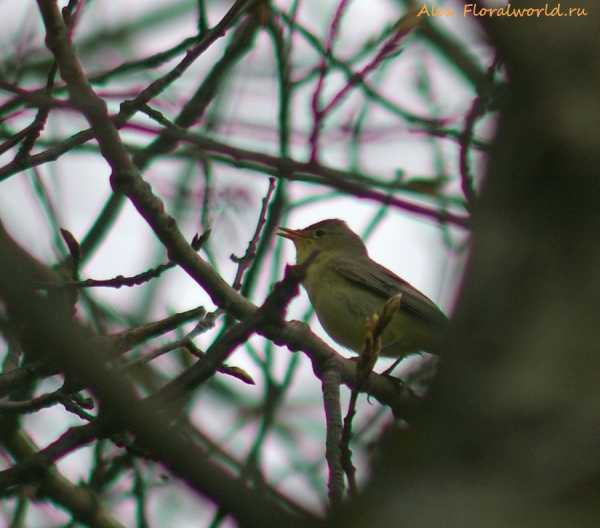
(291,234)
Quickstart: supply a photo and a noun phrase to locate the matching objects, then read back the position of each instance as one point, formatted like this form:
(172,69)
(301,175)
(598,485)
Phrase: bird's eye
(319,233)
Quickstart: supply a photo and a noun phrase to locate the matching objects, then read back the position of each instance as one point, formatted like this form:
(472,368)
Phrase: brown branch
(55,335)
(79,501)
(358,185)
(329,373)
(30,406)
(269,315)
(34,468)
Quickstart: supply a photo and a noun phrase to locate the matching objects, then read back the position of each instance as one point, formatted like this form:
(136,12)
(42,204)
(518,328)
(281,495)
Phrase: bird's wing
(386,283)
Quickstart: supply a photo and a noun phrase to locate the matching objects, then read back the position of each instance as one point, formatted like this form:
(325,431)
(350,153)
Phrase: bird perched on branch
(346,287)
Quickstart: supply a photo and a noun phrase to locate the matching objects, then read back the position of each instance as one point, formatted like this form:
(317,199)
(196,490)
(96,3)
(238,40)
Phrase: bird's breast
(343,307)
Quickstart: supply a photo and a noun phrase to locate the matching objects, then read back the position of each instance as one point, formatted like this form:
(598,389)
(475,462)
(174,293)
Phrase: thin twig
(245,261)
(318,113)
(376,325)
(120,281)
(480,105)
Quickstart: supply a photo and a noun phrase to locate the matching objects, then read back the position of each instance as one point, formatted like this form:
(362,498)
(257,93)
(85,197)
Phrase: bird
(346,287)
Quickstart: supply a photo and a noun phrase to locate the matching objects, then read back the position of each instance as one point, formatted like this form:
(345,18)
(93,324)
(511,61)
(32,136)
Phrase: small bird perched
(346,287)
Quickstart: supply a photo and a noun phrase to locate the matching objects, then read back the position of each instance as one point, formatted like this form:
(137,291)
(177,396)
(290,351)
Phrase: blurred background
(387,117)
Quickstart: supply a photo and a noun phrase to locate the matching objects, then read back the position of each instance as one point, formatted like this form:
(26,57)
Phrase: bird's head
(324,236)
